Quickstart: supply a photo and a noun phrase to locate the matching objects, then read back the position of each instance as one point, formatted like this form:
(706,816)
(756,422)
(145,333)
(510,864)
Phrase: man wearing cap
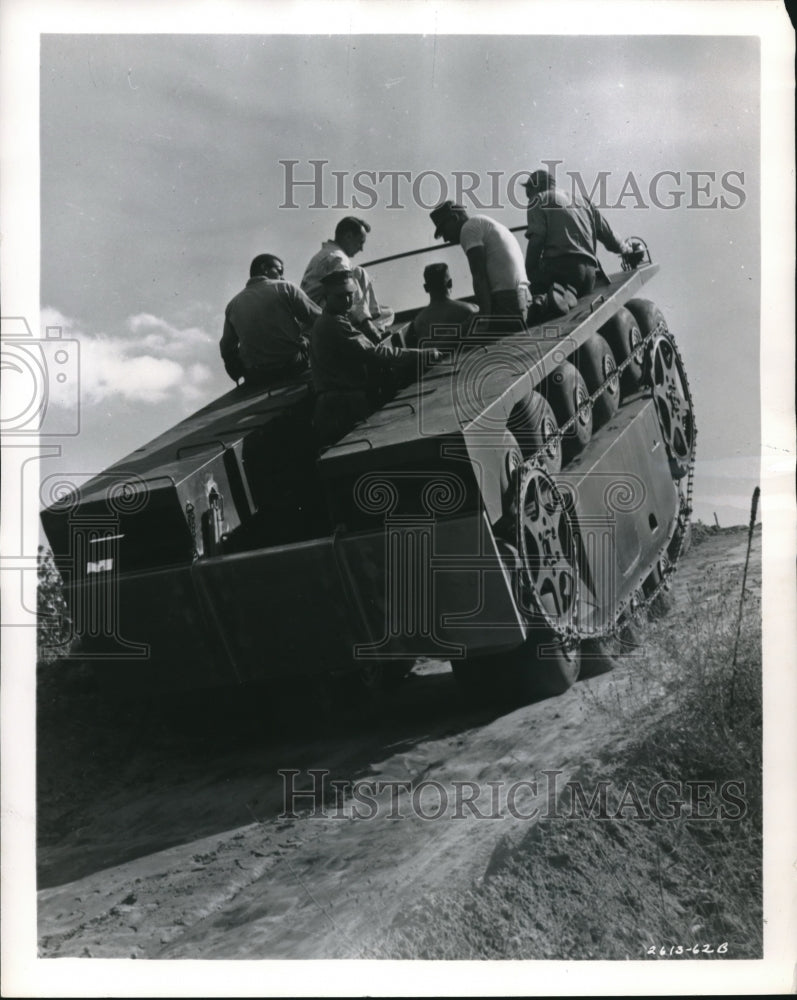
(335,255)
(443,313)
(495,260)
(263,338)
(563,231)
(346,365)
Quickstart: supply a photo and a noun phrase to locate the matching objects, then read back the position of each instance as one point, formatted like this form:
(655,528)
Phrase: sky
(163,172)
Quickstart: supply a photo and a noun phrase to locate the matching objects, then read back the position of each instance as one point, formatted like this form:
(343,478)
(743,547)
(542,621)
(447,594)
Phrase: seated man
(442,311)
(263,339)
(563,231)
(495,261)
(345,364)
(334,255)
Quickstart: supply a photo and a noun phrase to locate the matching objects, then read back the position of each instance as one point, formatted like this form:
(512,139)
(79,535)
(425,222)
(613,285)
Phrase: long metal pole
(435,246)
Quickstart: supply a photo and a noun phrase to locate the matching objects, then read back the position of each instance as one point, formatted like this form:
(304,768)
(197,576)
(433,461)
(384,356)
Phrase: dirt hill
(452,832)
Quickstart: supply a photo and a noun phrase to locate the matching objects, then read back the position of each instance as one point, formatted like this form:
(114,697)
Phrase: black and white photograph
(398,557)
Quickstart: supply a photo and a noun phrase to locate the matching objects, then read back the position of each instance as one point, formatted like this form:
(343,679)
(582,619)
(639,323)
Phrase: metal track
(569,634)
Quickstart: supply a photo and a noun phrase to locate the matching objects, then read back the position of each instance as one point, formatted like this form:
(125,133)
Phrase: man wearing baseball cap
(347,367)
(563,230)
(495,261)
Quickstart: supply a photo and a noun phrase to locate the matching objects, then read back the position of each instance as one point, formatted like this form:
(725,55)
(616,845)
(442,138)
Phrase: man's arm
(604,232)
(477,259)
(536,233)
(384,355)
(229,348)
(304,309)
(381,316)
(534,256)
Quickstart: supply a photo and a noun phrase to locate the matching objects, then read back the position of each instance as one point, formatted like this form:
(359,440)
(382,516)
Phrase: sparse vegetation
(612,888)
(573,887)
(53,626)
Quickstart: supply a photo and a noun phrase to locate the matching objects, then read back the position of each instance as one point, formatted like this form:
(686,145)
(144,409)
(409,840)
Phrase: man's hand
(632,251)
(372,332)
(234,367)
(431,355)
(477,259)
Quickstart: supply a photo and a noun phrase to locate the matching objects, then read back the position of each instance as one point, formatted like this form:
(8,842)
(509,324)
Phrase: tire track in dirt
(327,887)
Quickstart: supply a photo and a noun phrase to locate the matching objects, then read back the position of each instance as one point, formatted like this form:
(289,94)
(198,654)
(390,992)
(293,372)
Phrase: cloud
(159,362)
(156,334)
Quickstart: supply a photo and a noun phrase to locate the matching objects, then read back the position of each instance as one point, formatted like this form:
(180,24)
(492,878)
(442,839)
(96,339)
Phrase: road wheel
(548,560)
(681,541)
(567,394)
(624,337)
(533,423)
(595,361)
(650,318)
(673,404)
(598,656)
(542,667)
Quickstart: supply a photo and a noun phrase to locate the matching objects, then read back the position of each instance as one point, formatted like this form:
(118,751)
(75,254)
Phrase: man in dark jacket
(563,231)
(263,339)
(346,365)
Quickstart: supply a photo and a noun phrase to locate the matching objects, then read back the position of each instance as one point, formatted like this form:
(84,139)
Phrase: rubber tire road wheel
(623,335)
(567,394)
(511,460)
(681,542)
(533,423)
(669,387)
(648,316)
(598,656)
(595,361)
(540,668)
(661,605)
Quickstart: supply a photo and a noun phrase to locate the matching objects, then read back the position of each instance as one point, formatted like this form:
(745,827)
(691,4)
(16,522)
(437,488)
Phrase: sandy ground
(160,842)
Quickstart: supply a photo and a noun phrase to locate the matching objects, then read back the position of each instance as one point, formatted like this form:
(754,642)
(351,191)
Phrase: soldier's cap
(339,280)
(442,212)
(437,272)
(538,180)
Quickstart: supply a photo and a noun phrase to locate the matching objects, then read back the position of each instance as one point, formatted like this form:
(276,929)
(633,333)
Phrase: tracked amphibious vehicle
(507,511)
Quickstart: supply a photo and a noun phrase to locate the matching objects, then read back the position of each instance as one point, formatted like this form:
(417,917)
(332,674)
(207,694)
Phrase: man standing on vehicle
(563,230)
(335,255)
(443,312)
(495,260)
(263,338)
(347,367)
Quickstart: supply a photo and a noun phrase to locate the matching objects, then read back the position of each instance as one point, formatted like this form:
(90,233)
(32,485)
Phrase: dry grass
(592,888)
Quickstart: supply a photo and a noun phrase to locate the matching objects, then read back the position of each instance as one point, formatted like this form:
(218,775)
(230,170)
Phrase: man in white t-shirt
(495,259)
(366,313)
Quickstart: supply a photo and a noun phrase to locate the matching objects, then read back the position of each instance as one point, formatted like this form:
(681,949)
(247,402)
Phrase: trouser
(508,308)
(264,376)
(571,269)
(336,412)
